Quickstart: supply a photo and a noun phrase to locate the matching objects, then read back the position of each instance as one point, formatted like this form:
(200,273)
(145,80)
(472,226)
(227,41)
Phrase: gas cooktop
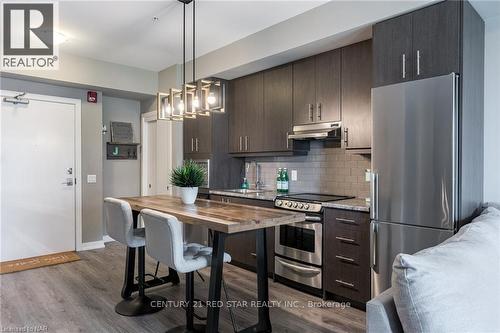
(310,202)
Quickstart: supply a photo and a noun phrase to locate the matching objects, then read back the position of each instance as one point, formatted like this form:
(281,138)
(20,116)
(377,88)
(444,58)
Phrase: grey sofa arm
(381,315)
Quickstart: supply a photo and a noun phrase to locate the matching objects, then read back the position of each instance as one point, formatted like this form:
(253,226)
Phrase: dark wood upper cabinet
(356,95)
(316,88)
(277,121)
(392,51)
(421,44)
(328,81)
(304,91)
(436,40)
(197,137)
(246,116)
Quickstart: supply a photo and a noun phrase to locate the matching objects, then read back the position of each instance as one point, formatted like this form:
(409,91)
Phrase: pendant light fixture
(201,97)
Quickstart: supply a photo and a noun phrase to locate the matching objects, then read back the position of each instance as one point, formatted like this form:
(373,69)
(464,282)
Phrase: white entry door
(37,178)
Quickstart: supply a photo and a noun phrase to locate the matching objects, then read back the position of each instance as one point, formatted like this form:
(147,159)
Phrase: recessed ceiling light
(155,19)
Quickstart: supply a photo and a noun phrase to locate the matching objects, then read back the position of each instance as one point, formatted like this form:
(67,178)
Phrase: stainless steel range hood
(321,131)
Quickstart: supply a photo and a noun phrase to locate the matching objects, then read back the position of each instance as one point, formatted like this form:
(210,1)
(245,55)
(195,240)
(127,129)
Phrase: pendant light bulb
(211,98)
(196,102)
(168,109)
(181,106)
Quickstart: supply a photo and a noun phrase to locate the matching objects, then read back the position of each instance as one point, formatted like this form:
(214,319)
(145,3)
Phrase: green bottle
(284,181)
(278,181)
(245,184)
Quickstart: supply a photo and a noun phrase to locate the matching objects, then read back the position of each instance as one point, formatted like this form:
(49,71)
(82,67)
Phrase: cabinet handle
(241,143)
(418,62)
(311,118)
(253,254)
(345,283)
(287,141)
(196,144)
(192,144)
(404,65)
(246,143)
(347,240)
(345,258)
(319,111)
(345,220)
(346,136)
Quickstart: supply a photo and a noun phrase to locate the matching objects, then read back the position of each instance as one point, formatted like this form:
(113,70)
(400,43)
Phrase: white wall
(492,110)
(121,177)
(95,73)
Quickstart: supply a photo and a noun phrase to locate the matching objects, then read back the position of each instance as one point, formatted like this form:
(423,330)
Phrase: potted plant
(188,177)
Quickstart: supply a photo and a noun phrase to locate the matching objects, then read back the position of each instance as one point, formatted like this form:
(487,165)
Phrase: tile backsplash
(324,170)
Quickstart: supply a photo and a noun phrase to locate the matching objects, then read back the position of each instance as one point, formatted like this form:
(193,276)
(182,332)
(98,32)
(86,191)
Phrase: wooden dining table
(225,219)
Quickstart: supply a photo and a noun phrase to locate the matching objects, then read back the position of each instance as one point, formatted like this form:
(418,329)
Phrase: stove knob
(306,206)
(289,204)
(301,206)
(279,203)
(295,205)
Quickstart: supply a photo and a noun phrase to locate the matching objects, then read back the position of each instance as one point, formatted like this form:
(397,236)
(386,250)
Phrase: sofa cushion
(454,286)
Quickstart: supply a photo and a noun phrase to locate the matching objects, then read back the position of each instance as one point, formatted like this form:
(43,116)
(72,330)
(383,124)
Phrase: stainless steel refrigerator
(415,181)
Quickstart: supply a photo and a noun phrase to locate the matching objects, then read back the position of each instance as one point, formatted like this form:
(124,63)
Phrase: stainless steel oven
(302,240)
(299,246)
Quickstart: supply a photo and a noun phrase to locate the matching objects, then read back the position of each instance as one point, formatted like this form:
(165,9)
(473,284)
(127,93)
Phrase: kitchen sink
(245,191)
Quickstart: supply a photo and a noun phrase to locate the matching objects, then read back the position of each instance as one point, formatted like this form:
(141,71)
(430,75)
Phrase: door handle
(246,143)
(298,268)
(241,143)
(347,284)
(68,182)
(418,62)
(319,111)
(192,144)
(196,144)
(344,258)
(374,245)
(404,65)
(287,141)
(374,196)
(310,106)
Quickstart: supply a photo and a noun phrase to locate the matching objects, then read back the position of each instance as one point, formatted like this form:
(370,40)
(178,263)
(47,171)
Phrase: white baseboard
(91,246)
(107,239)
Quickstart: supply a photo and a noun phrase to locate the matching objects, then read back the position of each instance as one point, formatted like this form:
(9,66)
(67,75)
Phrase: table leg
(215,282)
(264,322)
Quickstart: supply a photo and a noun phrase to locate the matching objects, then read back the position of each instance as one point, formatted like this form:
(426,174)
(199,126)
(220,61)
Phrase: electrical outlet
(294,175)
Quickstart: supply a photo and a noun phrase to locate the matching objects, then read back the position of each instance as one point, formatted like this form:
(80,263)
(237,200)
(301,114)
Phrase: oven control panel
(298,205)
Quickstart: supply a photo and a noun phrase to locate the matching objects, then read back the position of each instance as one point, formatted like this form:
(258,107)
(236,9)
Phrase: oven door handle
(313,218)
(299,269)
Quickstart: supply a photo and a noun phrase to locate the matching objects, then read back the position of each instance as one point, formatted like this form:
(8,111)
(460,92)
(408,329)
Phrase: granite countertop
(357,204)
(267,195)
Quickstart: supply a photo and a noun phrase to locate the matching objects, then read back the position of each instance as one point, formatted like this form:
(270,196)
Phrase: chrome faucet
(258,182)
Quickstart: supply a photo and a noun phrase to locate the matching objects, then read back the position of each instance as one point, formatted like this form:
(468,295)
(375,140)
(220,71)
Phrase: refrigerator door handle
(374,245)
(374,196)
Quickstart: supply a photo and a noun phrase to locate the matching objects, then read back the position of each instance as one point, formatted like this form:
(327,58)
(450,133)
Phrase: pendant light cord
(184,49)
(194,54)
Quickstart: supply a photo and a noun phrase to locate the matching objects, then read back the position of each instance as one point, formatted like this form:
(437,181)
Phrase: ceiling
(124,32)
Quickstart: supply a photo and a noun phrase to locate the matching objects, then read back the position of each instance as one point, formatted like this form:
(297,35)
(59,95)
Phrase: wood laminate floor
(80,297)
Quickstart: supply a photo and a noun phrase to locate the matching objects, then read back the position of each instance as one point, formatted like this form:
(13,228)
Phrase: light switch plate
(91,179)
(294,175)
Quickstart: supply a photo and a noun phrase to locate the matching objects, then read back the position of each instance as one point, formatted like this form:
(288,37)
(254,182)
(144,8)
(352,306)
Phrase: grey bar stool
(165,243)
(120,227)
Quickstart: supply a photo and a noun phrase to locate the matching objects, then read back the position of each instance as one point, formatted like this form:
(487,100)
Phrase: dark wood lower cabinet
(347,254)
(241,246)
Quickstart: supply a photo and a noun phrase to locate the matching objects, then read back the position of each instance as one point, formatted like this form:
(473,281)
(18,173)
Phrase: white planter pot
(188,195)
